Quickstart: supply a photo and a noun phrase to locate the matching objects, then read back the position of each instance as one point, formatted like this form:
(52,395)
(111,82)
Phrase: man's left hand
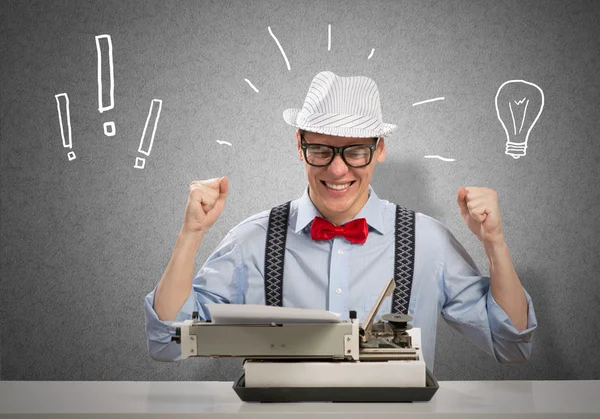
(479,209)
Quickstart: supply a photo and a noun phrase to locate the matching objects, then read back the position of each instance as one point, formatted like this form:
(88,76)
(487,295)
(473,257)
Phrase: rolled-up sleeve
(470,308)
(218,281)
(510,345)
(158,332)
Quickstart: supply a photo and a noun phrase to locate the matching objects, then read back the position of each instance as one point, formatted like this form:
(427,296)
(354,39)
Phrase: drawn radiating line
(224,142)
(371,54)
(251,85)
(524,113)
(513,118)
(62,102)
(329,38)
(438,157)
(107,51)
(428,100)
(280,49)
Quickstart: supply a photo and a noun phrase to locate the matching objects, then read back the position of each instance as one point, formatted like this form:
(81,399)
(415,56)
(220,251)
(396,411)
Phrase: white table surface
(454,399)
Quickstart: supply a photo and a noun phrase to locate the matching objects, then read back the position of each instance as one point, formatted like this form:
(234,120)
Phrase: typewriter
(313,355)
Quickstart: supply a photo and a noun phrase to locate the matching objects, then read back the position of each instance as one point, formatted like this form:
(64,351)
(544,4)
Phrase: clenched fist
(206,202)
(479,210)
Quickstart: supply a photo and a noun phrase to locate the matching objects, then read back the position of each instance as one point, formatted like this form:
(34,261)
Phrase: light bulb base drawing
(516,150)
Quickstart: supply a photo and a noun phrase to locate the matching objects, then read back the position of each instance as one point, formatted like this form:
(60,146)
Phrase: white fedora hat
(341,106)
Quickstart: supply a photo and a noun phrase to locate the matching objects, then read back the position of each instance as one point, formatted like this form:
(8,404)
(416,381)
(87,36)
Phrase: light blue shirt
(339,276)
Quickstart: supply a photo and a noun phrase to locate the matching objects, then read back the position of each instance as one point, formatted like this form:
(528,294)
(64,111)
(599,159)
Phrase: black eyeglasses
(355,155)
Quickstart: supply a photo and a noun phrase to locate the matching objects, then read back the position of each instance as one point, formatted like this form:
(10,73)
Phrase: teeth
(338,187)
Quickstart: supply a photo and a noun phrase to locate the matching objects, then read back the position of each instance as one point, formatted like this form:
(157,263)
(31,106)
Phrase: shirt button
(338,290)
(340,252)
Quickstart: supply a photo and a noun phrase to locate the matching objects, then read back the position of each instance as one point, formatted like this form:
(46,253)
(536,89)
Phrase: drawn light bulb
(519,104)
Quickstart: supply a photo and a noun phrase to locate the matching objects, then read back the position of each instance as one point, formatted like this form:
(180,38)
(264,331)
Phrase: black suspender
(275,254)
(404,257)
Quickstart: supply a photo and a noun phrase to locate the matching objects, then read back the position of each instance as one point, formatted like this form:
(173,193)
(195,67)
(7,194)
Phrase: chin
(338,207)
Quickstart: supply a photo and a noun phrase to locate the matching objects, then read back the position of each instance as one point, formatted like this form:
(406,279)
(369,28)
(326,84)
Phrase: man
(339,243)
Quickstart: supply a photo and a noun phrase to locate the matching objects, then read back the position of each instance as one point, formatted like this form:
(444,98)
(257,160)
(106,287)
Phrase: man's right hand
(206,202)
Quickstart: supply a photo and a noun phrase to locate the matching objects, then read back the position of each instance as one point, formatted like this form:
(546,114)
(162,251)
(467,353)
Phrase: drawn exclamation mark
(106,80)
(64,117)
(145,143)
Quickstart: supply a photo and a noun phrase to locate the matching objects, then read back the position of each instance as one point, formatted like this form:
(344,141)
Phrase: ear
(381,150)
(298,139)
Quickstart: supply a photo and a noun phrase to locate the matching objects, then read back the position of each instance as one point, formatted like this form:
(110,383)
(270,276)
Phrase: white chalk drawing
(371,54)
(106,98)
(439,158)
(280,49)
(146,145)
(251,85)
(428,100)
(224,142)
(104,48)
(519,105)
(139,163)
(62,104)
(109,129)
(329,38)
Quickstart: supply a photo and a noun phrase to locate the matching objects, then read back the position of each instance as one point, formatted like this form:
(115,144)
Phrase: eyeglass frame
(340,151)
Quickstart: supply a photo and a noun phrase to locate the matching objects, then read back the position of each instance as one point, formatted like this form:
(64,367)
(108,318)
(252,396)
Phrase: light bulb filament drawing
(513,115)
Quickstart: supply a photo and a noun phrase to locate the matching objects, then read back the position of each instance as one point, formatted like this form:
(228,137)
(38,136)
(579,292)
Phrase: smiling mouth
(338,187)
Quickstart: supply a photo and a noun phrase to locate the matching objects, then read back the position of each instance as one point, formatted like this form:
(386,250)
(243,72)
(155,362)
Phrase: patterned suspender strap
(275,254)
(404,259)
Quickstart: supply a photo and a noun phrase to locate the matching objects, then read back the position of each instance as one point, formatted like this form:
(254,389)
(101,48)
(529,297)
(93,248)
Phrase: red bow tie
(355,231)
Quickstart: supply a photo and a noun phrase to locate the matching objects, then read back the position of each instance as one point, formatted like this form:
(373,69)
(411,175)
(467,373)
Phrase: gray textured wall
(84,240)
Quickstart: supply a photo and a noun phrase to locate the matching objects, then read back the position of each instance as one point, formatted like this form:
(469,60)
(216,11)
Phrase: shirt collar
(372,211)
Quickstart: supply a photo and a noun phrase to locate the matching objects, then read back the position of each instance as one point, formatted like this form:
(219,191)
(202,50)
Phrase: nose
(337,166)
